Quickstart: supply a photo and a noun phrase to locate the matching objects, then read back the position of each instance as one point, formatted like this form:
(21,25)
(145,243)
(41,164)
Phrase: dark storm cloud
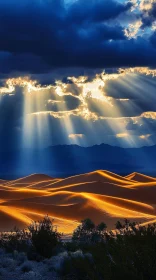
(37,36)
(11,107)
(53,41)
(96,11)
(63,74)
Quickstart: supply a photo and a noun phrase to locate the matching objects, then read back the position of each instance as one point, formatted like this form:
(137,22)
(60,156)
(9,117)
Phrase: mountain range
(68,160)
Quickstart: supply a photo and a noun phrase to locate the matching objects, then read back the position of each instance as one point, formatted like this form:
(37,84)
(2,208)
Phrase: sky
(77,72)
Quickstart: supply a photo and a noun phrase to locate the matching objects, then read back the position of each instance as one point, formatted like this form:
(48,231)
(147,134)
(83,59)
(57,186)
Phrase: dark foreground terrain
(129,252)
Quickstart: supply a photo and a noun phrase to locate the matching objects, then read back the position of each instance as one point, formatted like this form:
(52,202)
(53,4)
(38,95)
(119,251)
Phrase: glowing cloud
(132,30)
(149,115)
(74,136)
(22,82)
(122,135)
(140,70)
(146,136)
(146,5)
(89,89)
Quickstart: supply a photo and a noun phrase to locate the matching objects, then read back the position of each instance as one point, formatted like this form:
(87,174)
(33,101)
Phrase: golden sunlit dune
(96,176)
(100,195)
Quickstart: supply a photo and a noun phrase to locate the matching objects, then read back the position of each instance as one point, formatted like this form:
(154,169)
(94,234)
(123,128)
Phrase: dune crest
(34,178)
(100,195)
(138,177)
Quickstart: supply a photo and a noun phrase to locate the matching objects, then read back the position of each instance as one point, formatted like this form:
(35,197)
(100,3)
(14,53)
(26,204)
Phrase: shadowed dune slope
(100,195)
(34,178)
(140,178)
(3,182)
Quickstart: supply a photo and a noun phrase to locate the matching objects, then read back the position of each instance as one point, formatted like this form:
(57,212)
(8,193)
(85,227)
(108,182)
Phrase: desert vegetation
(93,252)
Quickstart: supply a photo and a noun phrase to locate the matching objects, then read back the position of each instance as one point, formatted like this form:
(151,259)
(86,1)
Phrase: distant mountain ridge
(66,160)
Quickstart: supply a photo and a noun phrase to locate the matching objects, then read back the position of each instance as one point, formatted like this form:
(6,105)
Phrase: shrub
(79,266)
(57,262)
(16,240)
(128,252)
(26,267)
(44,237)
(101,227)
(8,263)
(19,257)
(87,232)
(31,275)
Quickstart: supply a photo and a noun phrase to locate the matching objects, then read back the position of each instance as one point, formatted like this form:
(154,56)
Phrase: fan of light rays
(96,106)
(36,132)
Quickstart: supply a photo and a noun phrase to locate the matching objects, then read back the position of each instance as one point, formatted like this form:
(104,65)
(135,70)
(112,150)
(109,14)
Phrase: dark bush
(80,268)
(26,267)
(87,232)
(16,240)
(44,237)
(128,252)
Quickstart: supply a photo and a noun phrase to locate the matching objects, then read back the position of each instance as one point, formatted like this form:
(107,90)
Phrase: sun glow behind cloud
(146,136)
(122,135)
(73,136)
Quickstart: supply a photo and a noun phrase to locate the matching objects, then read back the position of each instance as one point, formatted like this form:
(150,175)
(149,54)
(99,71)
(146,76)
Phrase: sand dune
(100,195)
(34,178)
(140,178)
(96,176)
(2,182)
